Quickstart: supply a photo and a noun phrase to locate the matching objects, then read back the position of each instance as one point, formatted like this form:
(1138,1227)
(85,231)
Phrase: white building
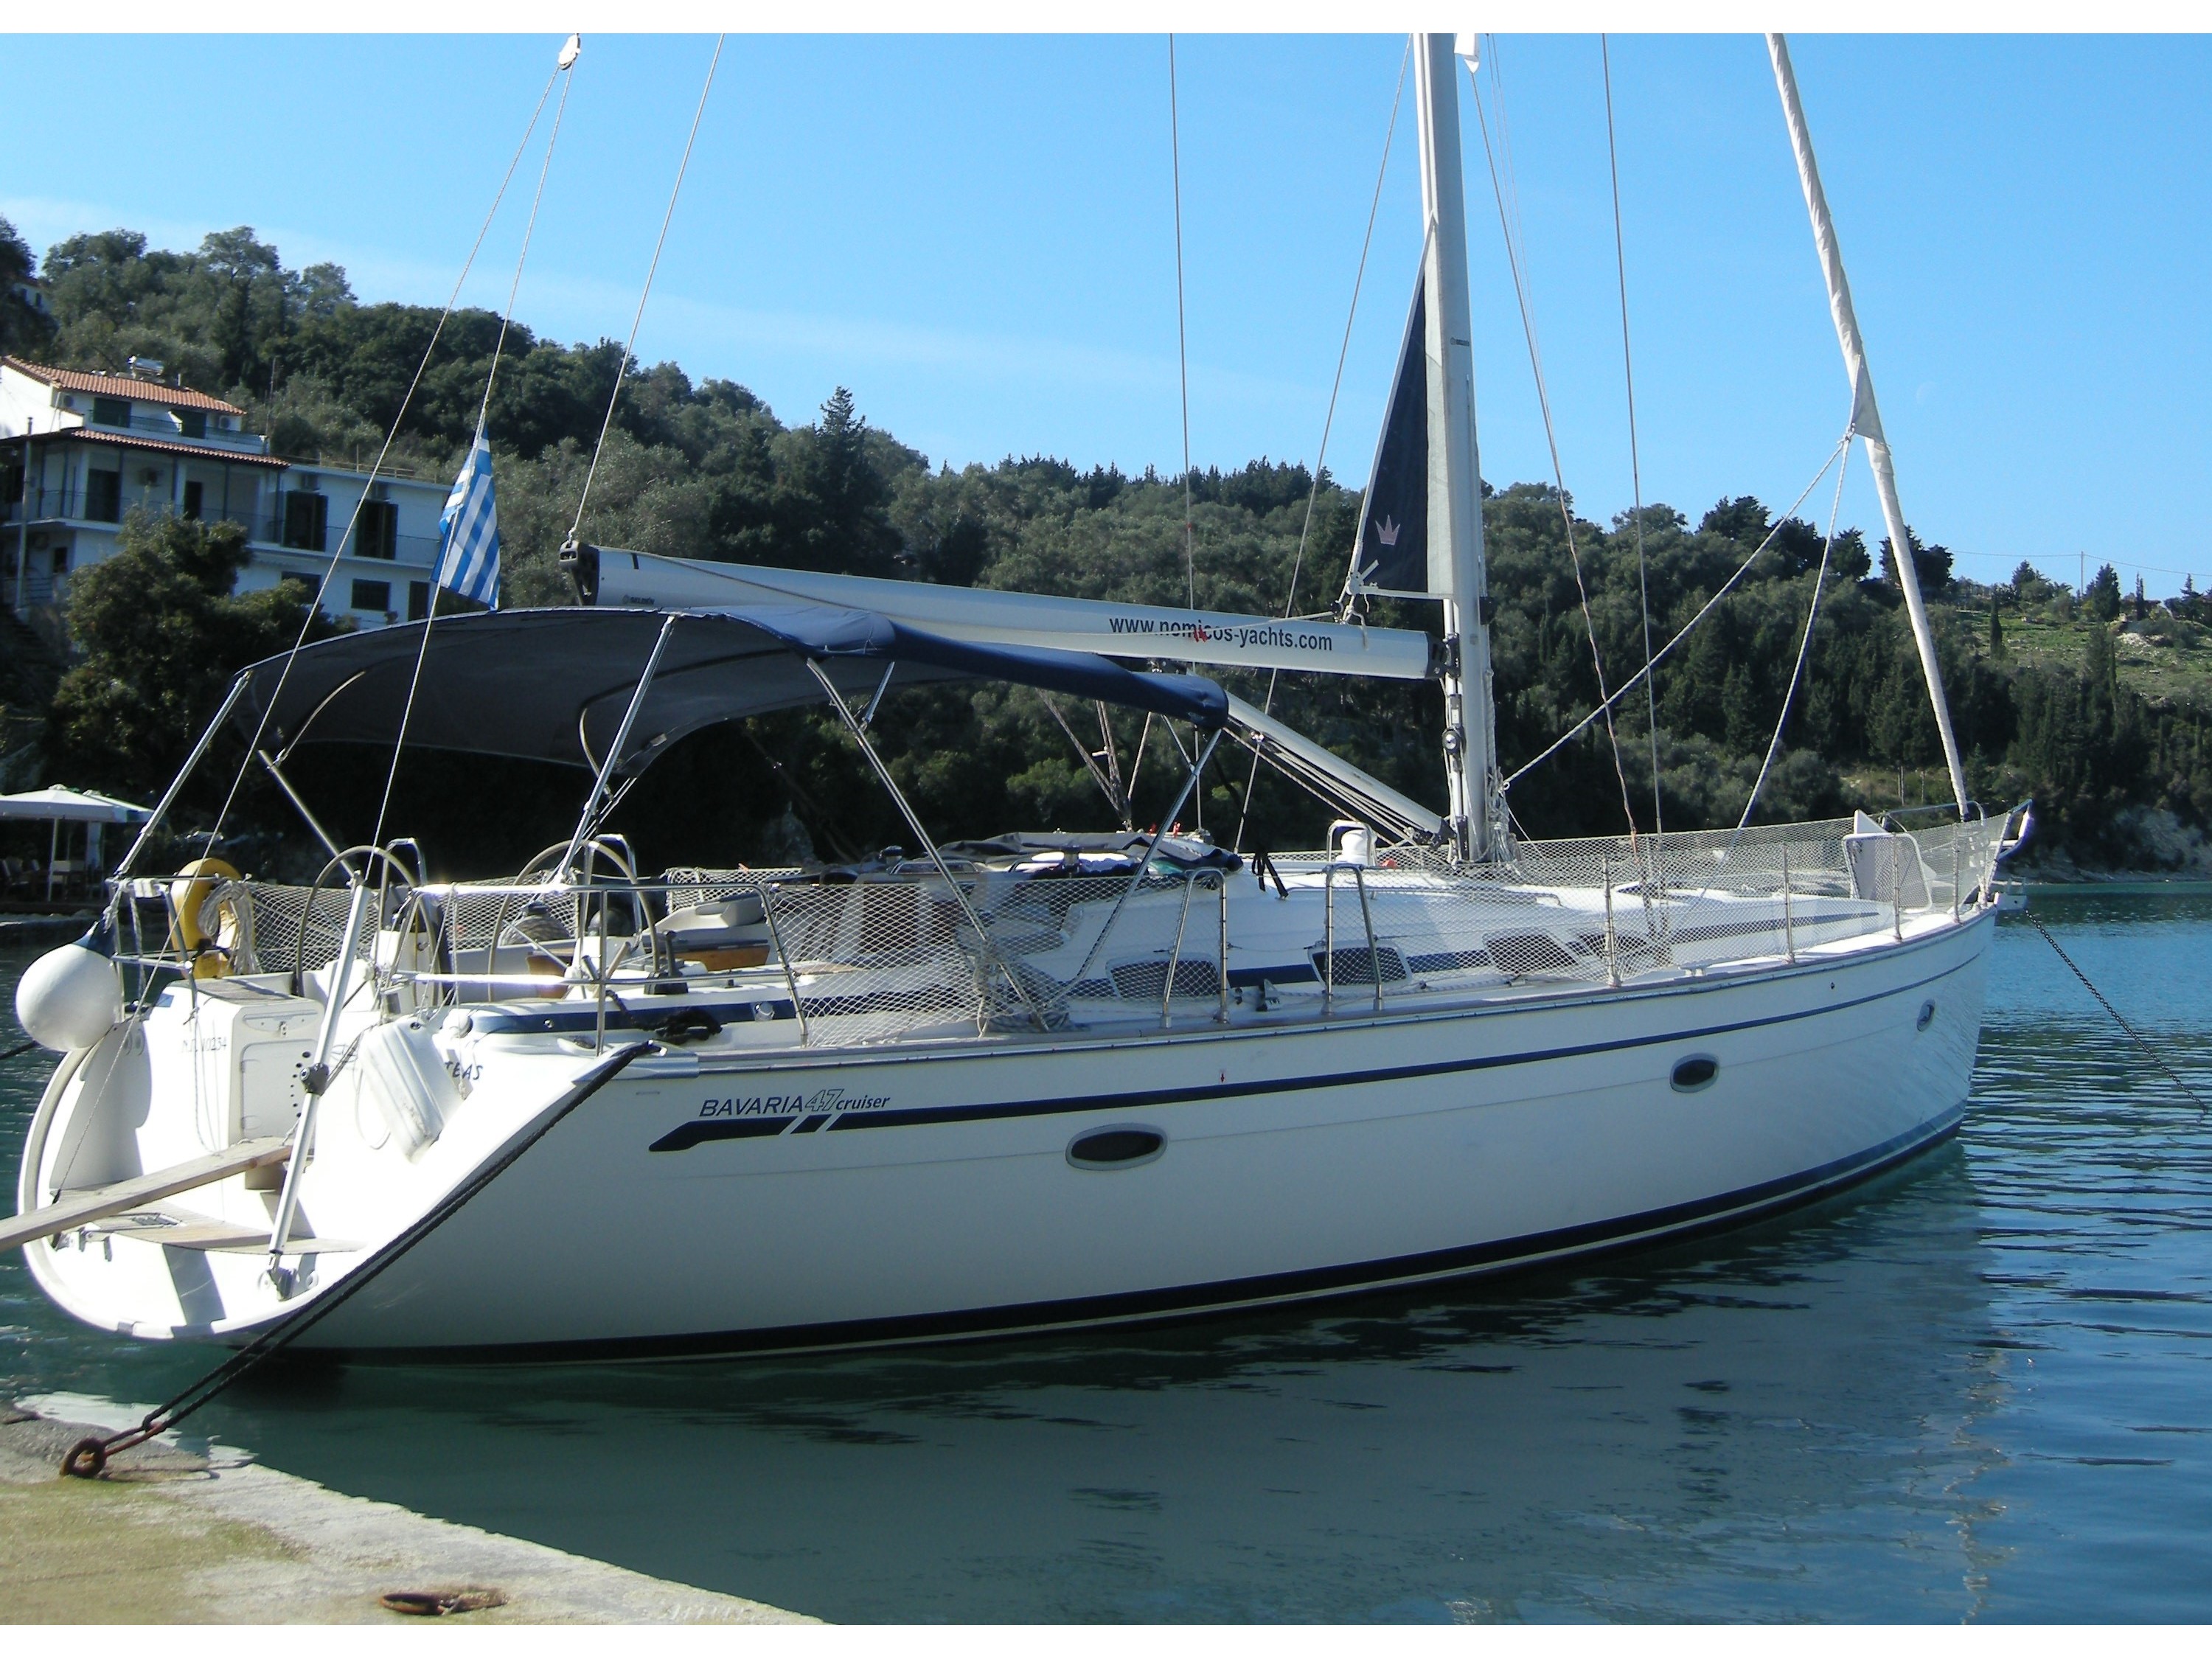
(88,447)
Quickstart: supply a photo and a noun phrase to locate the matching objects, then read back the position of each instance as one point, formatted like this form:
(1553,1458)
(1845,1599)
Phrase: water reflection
(1974,1390)
(1686,1433)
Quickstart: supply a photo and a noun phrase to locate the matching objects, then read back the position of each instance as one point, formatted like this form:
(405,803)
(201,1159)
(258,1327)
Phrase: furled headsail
(1390,556)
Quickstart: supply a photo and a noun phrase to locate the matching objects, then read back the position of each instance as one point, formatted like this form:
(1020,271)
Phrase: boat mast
(1455,539)
(1866,417)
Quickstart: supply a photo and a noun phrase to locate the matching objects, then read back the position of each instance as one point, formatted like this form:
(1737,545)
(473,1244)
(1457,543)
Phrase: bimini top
(553,684)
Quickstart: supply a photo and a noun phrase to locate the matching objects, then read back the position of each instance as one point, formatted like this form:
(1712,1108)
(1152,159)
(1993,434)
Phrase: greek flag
(469,530)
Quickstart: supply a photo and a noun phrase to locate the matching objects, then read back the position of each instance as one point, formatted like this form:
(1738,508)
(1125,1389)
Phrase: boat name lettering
(822,1100)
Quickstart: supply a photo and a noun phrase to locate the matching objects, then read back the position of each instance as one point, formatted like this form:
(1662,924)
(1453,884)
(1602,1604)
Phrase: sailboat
(1032,1083)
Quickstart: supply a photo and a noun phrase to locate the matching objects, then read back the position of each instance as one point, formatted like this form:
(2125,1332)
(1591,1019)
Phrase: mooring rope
(89,1455)
(2118,1020)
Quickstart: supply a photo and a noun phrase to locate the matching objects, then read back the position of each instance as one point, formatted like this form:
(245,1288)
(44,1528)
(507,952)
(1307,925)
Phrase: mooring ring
(87,1459)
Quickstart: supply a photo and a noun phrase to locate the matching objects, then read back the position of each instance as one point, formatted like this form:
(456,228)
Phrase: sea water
(1979,1389)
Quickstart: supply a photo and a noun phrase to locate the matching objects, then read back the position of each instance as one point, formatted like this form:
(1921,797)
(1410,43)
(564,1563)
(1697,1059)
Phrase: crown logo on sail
(1386,530)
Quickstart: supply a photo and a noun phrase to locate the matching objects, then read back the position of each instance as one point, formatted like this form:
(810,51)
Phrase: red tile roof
(123,385)
(197,452)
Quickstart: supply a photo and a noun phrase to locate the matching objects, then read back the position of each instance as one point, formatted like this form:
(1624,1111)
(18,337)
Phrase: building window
(307,520)
(61,560)
(377,534)
(195,497)
(192,422)
(103,496)
(371,596)
(418,601)
(111,411)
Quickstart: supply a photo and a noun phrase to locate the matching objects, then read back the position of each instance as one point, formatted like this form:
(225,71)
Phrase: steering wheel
(546,867)
(395,877)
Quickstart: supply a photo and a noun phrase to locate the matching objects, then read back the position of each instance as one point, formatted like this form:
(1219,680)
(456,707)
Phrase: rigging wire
(391,436)
(1582,724)
(484,414)
(576,528)
(1182,339)
(1183,367)
(1634,461)
(1328,421)
(1804,649)
(1509,224)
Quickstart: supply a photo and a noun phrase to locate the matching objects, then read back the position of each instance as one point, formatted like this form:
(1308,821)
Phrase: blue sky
(975,234)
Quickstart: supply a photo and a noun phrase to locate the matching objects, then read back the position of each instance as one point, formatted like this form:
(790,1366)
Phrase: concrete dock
(168,1536)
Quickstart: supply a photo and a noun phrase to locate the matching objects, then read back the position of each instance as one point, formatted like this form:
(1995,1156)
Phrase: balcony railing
(268,531)
(390,468)
(169,428)
(59,501)
(264,529)
(75,502)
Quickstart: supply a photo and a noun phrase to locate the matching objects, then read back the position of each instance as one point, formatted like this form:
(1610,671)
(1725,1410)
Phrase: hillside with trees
(2097,704)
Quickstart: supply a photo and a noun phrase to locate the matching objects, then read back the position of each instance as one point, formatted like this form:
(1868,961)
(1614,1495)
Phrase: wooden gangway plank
(74,1209)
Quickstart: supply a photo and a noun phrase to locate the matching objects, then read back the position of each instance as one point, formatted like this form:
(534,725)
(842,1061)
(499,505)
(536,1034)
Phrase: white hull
(1298,1160)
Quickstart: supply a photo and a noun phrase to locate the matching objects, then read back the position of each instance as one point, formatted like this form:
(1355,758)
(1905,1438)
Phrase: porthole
(1696,1072)
(1927,1015)
(1124,1147)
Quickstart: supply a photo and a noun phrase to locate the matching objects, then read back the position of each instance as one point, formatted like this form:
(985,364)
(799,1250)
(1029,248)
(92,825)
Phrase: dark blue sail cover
(553,684)
(1391,555)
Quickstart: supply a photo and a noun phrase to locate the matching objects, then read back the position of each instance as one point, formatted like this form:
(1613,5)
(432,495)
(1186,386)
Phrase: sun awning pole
(913,822)
(291,795)
(1866,417)
(177,783)
(586,824)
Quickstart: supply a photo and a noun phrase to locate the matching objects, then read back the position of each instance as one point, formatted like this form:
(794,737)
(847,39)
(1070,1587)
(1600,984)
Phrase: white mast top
(1454,521)
(1866,418)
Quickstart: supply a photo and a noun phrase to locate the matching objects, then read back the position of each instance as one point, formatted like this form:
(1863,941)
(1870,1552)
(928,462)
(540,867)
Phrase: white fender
(69,998)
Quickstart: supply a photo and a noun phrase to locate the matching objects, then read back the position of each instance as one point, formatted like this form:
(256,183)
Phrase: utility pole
(23,527)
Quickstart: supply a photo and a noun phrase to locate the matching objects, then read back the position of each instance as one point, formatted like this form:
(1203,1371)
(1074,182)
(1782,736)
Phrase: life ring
(210,956)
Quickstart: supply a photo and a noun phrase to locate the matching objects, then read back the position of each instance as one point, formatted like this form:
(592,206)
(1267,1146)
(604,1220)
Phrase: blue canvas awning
(553,684)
